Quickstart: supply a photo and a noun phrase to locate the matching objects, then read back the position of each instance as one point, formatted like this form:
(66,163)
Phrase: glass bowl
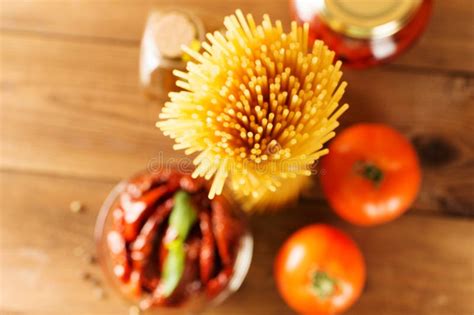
(199,300)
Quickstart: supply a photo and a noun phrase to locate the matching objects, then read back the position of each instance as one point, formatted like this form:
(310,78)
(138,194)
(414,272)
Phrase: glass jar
(196,296)
(364,33)
(160,53)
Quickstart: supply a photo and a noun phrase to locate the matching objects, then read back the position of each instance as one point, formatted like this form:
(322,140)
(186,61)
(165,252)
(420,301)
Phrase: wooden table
(73,122)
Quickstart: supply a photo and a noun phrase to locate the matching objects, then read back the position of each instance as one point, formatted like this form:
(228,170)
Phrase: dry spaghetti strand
(258,107)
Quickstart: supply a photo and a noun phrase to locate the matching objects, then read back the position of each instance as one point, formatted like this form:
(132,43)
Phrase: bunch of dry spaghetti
(258,104)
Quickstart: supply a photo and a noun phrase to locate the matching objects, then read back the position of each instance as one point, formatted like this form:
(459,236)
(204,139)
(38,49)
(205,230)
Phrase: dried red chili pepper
(136,211)
(141,248)
(118,219)
(217,284)
(118,250)
(207,254)
(225,228)
(146,181)
(190,184)
(133,287)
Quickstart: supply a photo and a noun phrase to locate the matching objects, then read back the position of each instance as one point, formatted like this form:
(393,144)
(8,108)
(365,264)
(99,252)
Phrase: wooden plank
(124,20)
(75,109)
(85,97)
(416,265)
(448,43)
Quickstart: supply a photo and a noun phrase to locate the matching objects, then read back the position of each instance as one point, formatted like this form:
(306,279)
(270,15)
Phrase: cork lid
(172,29)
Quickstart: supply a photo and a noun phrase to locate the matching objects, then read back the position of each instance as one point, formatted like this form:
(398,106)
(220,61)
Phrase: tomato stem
(370,171)
(322,284)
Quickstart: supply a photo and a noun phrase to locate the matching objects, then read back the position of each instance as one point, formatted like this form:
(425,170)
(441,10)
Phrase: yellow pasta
(257,105)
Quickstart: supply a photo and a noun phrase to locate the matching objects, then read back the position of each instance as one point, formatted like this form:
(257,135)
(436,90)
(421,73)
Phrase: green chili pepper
(182,218)
(183,215)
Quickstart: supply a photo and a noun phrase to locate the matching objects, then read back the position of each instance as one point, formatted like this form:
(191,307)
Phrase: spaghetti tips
(257,105)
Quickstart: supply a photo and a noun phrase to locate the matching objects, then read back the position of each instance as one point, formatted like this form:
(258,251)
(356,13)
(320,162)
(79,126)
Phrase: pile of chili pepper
(169,242)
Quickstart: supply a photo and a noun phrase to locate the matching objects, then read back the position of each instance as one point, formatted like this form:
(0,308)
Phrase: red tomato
(319,270)
(371,174)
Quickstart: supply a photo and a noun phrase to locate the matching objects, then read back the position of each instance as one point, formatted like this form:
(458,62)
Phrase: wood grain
(73,122)
(75,108)
(417,264)
(447,45)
